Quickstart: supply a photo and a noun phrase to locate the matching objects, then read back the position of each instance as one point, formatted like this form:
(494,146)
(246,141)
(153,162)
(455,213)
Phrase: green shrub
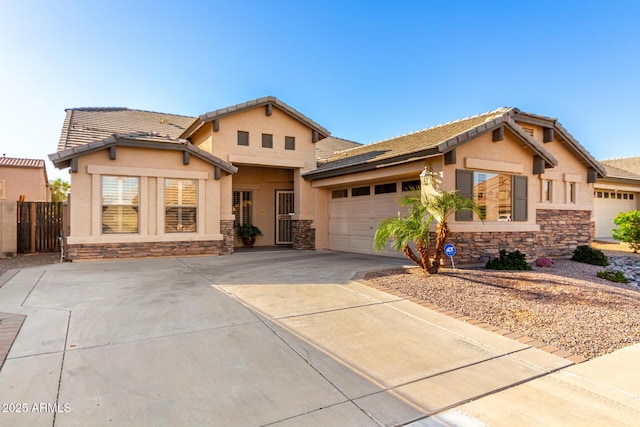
(613,276)
(628,229)
(509,261)
(589,255)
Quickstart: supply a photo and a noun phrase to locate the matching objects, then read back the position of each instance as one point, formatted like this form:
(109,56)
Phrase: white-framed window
(572,192)
(120,198)
(499,197)
(547,190)
(3,185)
(181,206)
(242,207)
(492,193)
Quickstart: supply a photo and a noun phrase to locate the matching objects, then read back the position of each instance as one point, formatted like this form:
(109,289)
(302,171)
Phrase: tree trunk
(412,256)
(424,254)
(442,231)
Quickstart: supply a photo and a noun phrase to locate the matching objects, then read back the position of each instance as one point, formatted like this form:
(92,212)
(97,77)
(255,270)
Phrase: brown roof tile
(85,125)
(21,163)
(625,168)
(326,147)
(424,143)
(408,143)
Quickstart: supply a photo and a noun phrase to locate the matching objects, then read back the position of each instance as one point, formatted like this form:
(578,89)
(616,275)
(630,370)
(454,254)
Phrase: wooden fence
(39,226)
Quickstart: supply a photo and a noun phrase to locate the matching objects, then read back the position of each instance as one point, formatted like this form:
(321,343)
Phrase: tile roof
(624,168)
(267,100)
(424,143)
(326,147)
(443,138)
(21,163)
(85,125)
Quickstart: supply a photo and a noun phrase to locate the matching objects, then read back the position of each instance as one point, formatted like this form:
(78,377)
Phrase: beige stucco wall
(263,170)
(152,166)
(28,181)
(511,156)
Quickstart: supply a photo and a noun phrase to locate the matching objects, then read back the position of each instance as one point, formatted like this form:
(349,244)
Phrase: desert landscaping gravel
(28,260)
(566,305)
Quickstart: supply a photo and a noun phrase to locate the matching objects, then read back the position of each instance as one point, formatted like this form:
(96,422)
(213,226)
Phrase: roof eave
(260,102)
(619,180)
(566,136)
(582,152)
(464,137)
(367,166)
(62,159)
(193,128)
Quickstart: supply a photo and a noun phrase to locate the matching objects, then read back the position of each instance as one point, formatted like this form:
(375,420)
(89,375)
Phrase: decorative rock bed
(630,266)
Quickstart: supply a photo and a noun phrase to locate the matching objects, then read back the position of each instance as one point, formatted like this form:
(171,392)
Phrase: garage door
(607,205)
(353,219)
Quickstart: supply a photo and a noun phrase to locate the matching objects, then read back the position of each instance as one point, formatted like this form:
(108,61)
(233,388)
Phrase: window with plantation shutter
(120,196)
(181,205)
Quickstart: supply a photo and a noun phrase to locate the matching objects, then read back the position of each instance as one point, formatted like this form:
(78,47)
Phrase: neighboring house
(618,192)
(148,183)
(24,177)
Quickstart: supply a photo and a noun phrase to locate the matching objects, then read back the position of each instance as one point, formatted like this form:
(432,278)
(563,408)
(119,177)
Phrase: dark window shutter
(520,189)
(464,186)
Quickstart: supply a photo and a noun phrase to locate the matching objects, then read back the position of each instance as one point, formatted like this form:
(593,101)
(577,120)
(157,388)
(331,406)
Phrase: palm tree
(415,227)
(403,230)
(440,206)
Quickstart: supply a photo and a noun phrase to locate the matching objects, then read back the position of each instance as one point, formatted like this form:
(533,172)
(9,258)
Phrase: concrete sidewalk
(276,338)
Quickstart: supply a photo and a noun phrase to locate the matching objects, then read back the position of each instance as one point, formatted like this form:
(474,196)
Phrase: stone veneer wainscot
(561,231)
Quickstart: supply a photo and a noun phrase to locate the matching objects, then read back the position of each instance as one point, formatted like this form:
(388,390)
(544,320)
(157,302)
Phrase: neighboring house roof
(21,163)
(63,158)
(426,143)
(627,168)
(15,162)
(85,125)
(326,147)
(267,100)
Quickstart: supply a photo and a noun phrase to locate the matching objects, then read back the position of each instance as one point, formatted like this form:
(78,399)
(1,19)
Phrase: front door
(284,210)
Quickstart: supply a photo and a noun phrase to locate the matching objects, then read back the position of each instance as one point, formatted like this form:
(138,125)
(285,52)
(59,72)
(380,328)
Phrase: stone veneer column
(304,237)
(561,231)
(226,228)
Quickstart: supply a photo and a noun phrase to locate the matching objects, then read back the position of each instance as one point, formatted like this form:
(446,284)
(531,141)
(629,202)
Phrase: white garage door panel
(353,221)
(606,210)
(360,245)
(338,210)
(339,226)
(339,243)
(361,227)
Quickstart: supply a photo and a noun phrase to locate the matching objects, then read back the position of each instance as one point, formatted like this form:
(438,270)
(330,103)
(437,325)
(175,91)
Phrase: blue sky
(365,70)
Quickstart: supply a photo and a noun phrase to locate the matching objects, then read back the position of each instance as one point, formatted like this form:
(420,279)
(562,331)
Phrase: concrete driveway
(258,338)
